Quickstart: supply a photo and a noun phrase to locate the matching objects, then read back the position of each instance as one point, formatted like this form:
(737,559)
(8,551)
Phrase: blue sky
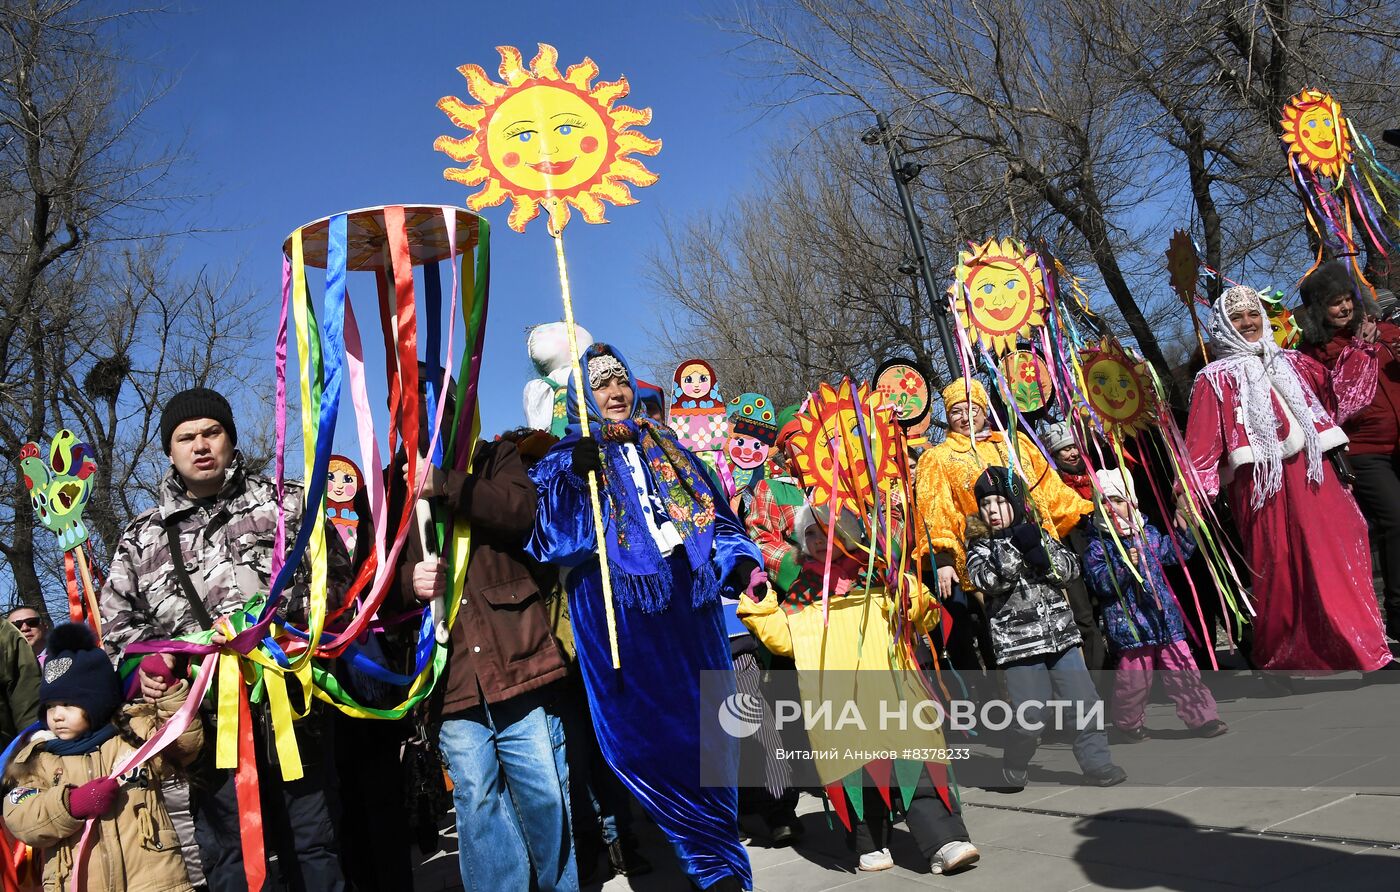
(293,111)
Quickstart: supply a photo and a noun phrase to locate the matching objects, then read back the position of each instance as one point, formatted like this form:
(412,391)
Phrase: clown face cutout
(753,429)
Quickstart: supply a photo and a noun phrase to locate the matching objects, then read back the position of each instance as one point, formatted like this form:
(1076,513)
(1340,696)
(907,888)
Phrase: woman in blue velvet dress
(673,547)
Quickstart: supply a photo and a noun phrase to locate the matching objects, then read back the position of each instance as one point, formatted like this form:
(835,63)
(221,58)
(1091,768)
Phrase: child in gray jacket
(1021,572)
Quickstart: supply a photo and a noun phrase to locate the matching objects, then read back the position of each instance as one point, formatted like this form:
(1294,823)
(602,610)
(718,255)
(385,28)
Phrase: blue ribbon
(332,325)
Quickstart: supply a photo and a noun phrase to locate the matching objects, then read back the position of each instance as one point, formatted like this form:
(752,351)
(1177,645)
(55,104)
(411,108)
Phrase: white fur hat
(1118,482)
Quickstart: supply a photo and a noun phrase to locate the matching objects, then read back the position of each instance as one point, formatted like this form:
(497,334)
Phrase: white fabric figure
(548,346)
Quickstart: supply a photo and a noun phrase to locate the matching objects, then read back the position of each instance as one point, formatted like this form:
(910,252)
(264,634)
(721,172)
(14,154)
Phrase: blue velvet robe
(647,714)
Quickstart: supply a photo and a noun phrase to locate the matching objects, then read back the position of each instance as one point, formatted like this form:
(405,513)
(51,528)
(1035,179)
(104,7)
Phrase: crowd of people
(561,710)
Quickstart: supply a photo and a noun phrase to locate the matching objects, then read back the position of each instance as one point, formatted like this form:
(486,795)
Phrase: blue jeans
(510,785)
(1061,676)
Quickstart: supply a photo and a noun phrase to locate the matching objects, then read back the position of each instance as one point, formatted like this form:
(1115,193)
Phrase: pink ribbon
(158,741)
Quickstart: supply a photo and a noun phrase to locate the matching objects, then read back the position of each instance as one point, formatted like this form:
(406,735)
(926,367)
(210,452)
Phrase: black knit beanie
(197,402)
(1005,483)
(77,671)
(1326,282)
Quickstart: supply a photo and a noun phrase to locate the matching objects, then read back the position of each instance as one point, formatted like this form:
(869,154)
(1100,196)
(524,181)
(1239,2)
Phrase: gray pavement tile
(1254,808)
(1364,817)
(1116,877)
(1368,870)
(1005,868)
(1163,842)
(813,872)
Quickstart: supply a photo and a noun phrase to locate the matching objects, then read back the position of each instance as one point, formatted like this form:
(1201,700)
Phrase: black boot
(591,866)
(626,860)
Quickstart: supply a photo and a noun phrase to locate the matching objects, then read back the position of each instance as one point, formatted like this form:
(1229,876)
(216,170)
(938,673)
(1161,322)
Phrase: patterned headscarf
(678,481)
(1257,370)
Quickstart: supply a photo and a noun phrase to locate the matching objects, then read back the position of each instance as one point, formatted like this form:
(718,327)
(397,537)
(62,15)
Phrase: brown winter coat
(501,643)
(134,846)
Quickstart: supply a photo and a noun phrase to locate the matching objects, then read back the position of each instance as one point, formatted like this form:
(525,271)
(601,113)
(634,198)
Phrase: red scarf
(1080,483)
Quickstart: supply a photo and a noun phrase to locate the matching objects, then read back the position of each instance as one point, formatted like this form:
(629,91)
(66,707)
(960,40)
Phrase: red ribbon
(75,597)
(245,781)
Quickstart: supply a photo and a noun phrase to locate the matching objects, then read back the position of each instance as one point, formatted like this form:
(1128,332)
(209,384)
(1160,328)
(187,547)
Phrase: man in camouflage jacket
(225,523)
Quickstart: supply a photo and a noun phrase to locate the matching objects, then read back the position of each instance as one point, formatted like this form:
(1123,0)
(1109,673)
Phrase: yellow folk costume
(857,636)
(947,472)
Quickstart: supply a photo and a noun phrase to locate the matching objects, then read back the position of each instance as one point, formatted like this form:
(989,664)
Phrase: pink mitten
(93,799)
(154,666)
(758,585)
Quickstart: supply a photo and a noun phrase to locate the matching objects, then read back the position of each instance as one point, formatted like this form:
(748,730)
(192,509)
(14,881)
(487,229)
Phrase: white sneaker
(955,856)
(877,860)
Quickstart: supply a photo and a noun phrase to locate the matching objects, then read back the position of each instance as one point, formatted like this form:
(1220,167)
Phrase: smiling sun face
(1118,390)
(1315,133)
(1000,292)
(548,140)
(829,449)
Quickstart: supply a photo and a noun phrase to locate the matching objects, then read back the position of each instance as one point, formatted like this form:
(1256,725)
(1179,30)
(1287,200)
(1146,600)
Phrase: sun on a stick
(1119,389)
(1316,133)
(1001,292)
(546,140)
(830,451)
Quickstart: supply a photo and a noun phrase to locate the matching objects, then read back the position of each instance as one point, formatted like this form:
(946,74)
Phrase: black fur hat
(1326,282)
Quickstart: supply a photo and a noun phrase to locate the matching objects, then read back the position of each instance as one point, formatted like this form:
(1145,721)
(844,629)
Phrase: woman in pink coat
(1258,429)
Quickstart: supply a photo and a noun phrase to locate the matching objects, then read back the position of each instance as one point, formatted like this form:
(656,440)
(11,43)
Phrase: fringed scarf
(641,575)
(1258,370)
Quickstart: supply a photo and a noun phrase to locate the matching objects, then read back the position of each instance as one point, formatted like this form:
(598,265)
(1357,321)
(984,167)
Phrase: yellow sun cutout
(1118,389)
(1316,133)
(1000,291)
(829,424)
(542,139)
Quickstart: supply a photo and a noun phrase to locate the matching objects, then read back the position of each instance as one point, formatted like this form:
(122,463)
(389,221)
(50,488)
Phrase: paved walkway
(1173,826)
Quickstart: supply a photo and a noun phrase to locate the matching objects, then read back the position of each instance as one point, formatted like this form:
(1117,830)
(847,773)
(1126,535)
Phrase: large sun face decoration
(1000,292)
(1316,133)
(1183,266)
(830,439)
(542,139)
(1118,389)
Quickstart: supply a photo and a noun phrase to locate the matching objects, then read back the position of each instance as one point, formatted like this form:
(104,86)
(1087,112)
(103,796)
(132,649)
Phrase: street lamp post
(903,174)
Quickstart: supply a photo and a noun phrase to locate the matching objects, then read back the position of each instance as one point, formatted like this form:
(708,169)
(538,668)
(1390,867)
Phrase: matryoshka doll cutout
(752,432)
(343,481)
(698,411)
